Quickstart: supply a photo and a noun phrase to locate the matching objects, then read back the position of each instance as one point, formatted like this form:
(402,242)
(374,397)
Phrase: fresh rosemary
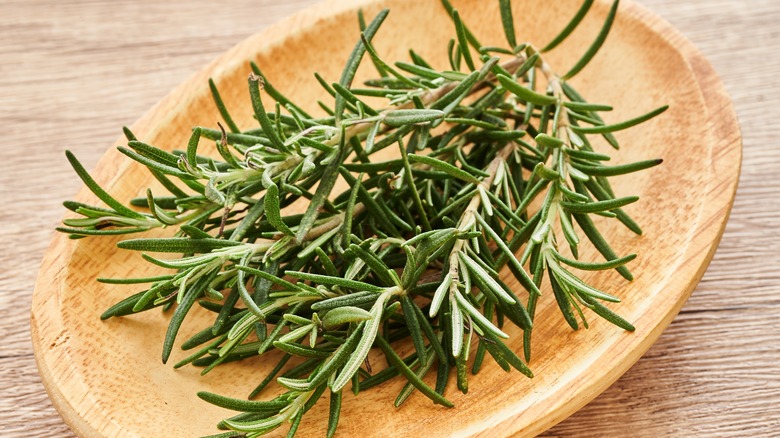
(495,167)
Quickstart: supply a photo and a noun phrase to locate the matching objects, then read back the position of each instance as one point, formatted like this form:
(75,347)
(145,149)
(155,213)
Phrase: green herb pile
(495,167)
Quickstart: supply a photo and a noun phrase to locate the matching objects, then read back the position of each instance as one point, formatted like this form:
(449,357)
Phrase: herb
(411,250)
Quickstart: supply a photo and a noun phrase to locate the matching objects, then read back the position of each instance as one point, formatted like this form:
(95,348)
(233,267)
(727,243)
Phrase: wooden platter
(106,379)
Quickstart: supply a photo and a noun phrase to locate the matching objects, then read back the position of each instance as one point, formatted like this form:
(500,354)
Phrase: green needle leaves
(575,21)
(594,48)
(98,191)
(508,22)
(524,93)
(301,241)
(401,117)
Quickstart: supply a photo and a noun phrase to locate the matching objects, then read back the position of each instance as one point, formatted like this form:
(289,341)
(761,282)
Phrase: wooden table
(74,72)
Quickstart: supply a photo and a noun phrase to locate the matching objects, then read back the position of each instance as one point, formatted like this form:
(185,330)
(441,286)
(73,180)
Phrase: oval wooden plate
(106,379)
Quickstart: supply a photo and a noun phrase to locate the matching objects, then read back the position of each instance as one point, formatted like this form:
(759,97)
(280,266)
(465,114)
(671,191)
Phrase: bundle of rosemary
(494,168)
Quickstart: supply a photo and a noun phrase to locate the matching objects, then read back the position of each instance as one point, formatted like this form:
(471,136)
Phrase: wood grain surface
(76,72)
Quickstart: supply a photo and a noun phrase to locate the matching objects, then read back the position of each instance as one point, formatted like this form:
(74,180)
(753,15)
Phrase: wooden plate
(106,379)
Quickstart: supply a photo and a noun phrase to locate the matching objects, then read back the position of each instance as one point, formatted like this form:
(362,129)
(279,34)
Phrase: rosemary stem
(467,219)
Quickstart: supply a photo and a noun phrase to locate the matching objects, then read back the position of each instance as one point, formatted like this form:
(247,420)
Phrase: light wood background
(72,73)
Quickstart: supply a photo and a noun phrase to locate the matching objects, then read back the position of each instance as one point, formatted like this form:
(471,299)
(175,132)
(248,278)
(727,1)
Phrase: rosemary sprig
(412,249)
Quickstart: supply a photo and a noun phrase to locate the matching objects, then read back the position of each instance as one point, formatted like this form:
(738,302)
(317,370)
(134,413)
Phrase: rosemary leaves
(494,168)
